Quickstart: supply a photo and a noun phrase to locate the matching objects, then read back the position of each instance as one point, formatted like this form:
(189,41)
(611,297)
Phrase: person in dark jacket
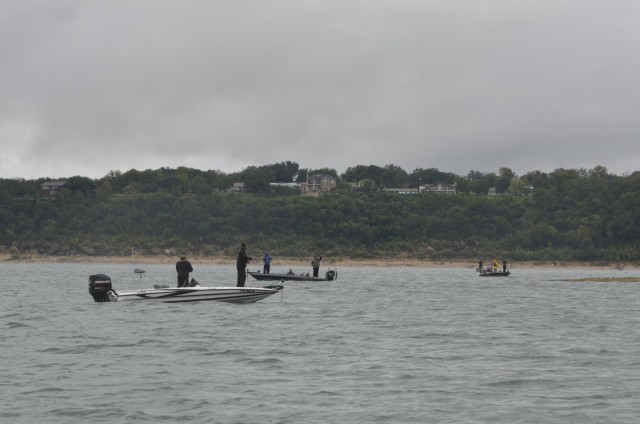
(183,267)
(241,264)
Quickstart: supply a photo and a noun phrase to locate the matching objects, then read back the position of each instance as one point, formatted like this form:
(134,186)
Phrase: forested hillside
(566,215)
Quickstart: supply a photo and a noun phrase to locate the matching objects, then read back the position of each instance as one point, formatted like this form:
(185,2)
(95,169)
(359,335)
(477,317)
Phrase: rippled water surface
(386,345)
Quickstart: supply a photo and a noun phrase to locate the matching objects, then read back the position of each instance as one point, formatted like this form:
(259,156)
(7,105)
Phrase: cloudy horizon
(88,86)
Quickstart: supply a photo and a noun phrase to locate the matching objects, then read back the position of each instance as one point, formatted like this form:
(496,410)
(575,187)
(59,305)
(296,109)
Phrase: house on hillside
(443,188)
(319,183)
(404,190)
(50,188)
(237,188)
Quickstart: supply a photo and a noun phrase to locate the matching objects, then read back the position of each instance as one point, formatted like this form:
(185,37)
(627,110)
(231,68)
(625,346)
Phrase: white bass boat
(101,290)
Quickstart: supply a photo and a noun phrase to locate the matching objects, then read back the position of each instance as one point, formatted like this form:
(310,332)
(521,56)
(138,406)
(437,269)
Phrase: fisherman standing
(266,269)
(315,264)
(183,267)
(241,264)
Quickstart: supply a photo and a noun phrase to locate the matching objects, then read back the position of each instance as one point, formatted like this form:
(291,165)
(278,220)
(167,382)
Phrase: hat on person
(244,245)
(183,257)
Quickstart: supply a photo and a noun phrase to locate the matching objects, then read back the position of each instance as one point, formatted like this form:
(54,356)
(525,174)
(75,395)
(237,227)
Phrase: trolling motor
(100,287)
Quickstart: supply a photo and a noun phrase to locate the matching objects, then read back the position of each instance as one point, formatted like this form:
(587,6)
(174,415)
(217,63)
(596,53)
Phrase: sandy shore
(298,262)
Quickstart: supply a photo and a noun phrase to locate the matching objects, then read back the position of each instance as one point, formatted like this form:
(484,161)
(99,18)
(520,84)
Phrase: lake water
(381,345)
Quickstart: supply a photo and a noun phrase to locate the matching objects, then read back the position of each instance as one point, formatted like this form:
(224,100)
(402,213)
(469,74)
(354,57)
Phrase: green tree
(284,172)
(393,176)
(505,176)
(257,179)
(80,185)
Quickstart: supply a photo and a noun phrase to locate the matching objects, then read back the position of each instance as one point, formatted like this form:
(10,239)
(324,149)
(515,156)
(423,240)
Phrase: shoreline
(327,262)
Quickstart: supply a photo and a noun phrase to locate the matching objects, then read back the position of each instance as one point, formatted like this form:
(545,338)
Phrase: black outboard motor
(331,275)
(99,287)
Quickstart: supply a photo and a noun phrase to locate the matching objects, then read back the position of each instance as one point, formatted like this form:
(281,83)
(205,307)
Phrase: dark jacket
(243,259)
(184,268)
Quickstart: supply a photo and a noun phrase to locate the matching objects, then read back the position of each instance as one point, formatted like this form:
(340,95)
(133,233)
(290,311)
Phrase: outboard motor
(100,287)
(331,275)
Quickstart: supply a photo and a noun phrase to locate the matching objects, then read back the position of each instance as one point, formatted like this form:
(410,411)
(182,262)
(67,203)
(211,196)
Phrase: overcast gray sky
(90,86)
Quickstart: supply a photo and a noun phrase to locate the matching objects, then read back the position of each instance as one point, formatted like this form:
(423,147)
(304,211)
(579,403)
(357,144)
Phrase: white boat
(101,290)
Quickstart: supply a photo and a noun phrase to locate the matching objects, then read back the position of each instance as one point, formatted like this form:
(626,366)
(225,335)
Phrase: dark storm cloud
(92,86)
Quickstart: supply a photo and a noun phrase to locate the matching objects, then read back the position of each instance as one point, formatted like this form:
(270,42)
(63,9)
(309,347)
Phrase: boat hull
(494,273)
(193,294)
(330,275)
(284,277)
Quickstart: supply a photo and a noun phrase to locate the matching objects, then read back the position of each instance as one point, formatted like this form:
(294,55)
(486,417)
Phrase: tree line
(564,215)
(258,179)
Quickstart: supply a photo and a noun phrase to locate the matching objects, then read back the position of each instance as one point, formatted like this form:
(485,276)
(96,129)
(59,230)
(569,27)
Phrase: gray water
(382,345)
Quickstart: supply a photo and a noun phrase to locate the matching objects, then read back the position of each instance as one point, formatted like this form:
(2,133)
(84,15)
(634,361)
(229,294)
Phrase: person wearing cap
(183,267)
(267,263)
(241,264)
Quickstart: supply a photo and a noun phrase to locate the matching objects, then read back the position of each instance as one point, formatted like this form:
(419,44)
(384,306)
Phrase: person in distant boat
(241,264)
(183,267)
(495,264)
(315,264)
(290,272)
(266,269)
(504,266)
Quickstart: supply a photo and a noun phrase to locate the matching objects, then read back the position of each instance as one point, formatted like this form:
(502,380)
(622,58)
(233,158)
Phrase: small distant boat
(330,275)
(493,270)
(488,273)
(101,290)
